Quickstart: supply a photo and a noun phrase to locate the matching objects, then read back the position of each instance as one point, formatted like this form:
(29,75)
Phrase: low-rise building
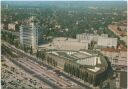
(117,57)
(2,26)
(102,40)
(107,42)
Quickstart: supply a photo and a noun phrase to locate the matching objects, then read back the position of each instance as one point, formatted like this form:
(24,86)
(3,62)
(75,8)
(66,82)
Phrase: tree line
(51,61)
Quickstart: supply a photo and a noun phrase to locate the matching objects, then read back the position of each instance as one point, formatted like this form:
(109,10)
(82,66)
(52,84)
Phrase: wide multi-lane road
(27,62)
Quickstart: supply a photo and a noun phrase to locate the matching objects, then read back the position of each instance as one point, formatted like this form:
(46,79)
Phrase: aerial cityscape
(63,44)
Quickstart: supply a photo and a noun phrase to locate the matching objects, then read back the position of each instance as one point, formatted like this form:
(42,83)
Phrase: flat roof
(72,54)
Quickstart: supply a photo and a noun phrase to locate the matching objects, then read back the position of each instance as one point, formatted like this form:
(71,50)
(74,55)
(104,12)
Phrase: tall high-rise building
(29,33)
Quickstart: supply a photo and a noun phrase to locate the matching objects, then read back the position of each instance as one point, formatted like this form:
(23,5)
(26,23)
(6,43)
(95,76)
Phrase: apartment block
(29,33)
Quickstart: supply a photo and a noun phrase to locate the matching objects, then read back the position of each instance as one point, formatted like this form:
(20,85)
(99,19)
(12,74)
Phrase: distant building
(4,6)
(102,40)
(104,35)
(87,37)
(123,80)
(93,66)
(107,42)
(11,26)
(29,33)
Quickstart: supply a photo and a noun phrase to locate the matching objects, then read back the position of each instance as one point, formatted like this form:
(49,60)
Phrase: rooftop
(92,61)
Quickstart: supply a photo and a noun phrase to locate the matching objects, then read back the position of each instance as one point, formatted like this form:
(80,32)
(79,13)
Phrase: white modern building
(62,43)
(84,37)
(116,57)
(29,34)
(102,40)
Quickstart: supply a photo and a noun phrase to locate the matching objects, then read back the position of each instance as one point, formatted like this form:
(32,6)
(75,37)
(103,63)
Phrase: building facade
(87,37)
(29,34)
